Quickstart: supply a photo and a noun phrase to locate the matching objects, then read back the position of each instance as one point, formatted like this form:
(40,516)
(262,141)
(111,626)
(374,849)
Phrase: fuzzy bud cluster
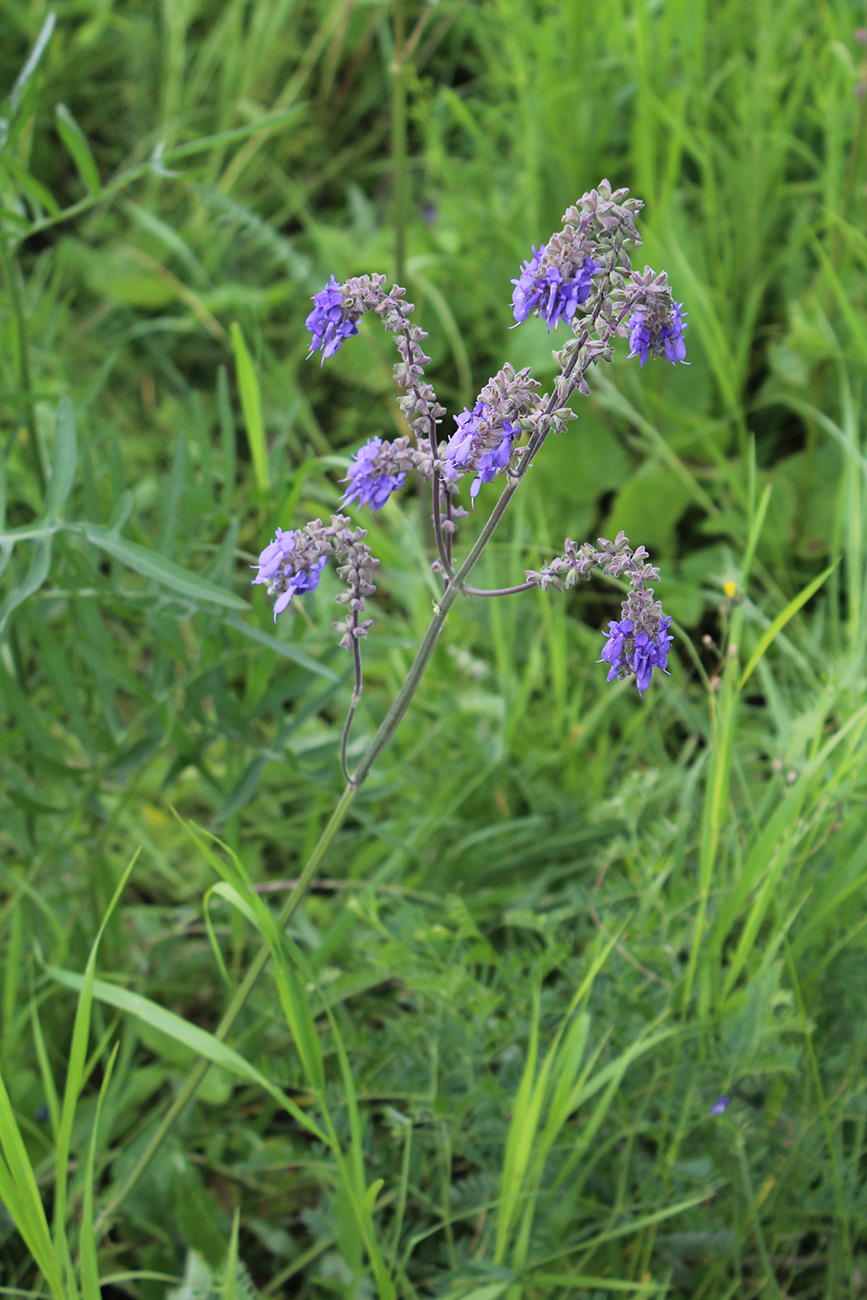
(355,569)
(378,469)
(419,403)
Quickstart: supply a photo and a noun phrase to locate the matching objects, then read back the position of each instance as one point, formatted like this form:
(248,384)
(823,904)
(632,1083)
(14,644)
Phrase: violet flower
(637,653)
(550,291)
(371,476)
(329,322)
(658,338)
(288,566)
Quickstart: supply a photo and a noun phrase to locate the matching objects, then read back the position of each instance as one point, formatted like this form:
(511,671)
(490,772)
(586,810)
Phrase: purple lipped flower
(370,483)
(303,580)
(720,1106)
(329,322)
(658,338)
(460,445)
(289,565)
(527,293)
(548,292)
(612,651)
(491,461)
(628,651)
(273,555)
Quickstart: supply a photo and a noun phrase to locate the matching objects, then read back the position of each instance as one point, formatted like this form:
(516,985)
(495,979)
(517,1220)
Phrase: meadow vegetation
(560,922)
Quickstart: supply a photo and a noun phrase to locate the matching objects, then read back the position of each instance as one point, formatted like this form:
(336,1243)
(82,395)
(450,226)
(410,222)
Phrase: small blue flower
(666,341)
(367,484)
(720,1106)
(276,568)
(612,651)
(638,653)
(491,461)
(460,445)
(548,293)
(304,580)
(328,322)
(273,555)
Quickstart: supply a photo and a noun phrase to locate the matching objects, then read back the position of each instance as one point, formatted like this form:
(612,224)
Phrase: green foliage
(558,923)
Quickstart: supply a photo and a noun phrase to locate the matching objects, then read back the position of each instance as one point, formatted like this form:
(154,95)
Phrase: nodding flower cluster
(582,277)
(293,562)
(640,641)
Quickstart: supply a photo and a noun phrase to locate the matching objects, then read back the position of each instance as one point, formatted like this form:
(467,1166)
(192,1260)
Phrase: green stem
(398,140)
(22,357)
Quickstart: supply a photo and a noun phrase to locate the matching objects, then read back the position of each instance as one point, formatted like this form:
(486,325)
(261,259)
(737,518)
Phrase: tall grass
(558,924)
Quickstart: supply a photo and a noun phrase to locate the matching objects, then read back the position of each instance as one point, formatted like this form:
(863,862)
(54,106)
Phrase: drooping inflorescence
(293,562)
(378,469)
(640,640)
(581,277)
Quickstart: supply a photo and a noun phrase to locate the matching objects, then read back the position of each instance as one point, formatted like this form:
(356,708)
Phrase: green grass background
(560,921)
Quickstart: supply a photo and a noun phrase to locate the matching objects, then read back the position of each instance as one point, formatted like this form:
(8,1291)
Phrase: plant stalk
(22,357)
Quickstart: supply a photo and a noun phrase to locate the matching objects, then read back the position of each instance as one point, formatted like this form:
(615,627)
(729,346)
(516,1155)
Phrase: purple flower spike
(329,322)
(548,293)
(720,1106)
(369,483)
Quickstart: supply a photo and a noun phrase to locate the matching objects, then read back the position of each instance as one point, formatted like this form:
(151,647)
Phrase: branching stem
(455,584)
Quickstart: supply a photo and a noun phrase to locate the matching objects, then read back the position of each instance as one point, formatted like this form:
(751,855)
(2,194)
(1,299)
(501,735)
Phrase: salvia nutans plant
(582,278)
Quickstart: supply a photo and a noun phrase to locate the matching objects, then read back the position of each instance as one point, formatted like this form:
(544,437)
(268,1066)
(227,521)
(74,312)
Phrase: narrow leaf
(32,63)
(155,566)
(251,404)
(190,1036)
(76,142)
(782,619)
(87,1243)
(63,462)
(36,575)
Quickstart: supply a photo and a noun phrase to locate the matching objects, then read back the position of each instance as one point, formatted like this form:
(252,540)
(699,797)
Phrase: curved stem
(499,591)
(444,544)
(356,696)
